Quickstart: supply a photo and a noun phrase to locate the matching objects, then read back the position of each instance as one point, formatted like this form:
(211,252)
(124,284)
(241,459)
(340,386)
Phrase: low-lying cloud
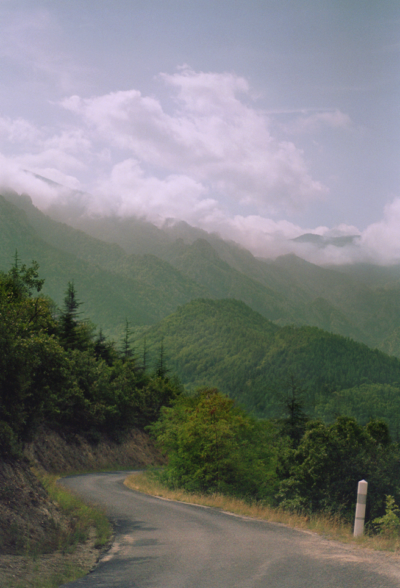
(204,154)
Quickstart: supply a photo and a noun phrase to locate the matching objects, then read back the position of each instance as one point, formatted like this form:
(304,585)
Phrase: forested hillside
(251,359)
(129,269)
(56,371)
(114,285)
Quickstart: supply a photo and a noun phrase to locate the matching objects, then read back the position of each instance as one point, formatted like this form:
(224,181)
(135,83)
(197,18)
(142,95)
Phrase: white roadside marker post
(360,508)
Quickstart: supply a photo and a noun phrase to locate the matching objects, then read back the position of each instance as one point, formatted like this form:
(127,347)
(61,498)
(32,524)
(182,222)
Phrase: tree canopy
(54,370)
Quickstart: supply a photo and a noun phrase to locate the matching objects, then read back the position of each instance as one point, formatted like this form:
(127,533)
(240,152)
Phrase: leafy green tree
(322,473)
(389,524)
(212,445)
(53,372)
(24,280)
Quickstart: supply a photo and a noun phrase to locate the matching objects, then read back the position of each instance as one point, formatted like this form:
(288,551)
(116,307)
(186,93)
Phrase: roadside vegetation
(67,548)
(85,518)
(55,369)
(58,372)
(330,527)
(291,470)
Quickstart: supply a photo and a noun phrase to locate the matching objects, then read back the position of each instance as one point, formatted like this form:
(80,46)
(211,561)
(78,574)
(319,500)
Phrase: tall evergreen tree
(145,355)
(104,349)
(161,367)
(71,335)
(294,423)
(127,350)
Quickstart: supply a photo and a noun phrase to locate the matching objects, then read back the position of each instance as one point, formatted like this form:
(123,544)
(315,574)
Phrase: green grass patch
(45,579)
(83,516)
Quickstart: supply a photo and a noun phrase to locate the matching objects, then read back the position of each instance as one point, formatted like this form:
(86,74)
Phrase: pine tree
(70,335)
(161,368)
(127,350)
(294,423)
(145,355)
(103,349)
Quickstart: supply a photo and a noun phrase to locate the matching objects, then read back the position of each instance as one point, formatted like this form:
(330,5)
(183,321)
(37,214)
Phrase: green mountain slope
(330,298)
(201,262)
(225,343)
(112,285)
(196,270)
(183,263)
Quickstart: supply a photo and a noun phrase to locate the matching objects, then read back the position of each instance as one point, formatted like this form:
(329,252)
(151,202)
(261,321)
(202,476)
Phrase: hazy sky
(259,119)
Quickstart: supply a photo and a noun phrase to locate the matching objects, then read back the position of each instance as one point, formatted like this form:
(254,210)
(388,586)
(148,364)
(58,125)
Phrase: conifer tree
(294,424)
(126,347)
(70,336)
(145,355)
(161,367)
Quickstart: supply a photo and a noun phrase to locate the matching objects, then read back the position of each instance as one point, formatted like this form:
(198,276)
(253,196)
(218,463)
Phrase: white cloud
(23,182)
(18,131)
(128,191)
(212,136)
(312,123)
(49,158)
(381,240)
(208,160)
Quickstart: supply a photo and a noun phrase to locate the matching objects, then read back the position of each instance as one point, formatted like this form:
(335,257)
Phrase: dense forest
(252,360)
(55,369)
(295,463)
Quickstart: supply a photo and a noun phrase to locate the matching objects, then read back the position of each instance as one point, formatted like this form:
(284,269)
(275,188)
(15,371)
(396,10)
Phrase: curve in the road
(165,544)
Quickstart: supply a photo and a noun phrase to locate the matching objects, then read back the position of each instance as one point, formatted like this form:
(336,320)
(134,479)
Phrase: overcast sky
(259,119)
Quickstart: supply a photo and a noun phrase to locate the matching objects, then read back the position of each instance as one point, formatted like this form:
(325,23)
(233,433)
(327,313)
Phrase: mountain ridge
(134,261)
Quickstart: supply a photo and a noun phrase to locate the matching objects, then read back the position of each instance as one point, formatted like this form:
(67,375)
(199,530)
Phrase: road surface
(165,544)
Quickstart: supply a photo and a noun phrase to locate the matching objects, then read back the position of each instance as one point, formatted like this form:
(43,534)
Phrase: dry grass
(327,526)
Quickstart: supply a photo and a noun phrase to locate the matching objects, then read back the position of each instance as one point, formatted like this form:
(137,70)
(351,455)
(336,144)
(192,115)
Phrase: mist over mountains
(128,268)
(226,317)
(263,237)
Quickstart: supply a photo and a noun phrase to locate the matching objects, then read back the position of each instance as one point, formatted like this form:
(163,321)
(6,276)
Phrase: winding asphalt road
(165,544)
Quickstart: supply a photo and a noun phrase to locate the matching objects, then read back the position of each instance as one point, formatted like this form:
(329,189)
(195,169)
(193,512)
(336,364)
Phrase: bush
(9,446)
(322,473)
(389,524)
(214,446)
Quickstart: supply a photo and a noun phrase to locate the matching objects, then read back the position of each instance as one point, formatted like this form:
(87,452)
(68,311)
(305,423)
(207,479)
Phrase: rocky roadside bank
(31,524)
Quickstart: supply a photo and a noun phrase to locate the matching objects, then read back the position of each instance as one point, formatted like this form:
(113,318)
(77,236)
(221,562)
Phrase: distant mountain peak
(321,241)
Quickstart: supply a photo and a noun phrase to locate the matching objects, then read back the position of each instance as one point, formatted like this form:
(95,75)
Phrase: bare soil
(65,452)
(29,520)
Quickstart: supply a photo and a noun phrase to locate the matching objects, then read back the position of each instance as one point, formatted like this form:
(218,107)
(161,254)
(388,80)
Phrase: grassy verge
(70,552)
(42,578)
(327,526)
(83,517)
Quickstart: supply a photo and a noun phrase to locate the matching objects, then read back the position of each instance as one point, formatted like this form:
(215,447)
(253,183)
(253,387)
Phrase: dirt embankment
(28,518)
(55,453)
(30,522)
